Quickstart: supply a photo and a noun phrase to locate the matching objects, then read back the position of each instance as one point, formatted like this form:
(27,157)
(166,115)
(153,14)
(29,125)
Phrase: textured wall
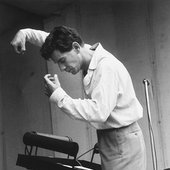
(161,32)
(24,107)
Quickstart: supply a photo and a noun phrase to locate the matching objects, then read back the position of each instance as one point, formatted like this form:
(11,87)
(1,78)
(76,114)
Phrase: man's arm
(102,100)
(36,37)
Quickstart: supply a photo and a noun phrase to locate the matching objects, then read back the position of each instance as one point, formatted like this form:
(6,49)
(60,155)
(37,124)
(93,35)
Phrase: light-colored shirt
(111,101)
(36,37)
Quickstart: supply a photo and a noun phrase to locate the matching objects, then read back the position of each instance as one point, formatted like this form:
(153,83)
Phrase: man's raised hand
(51,84)
(18,42)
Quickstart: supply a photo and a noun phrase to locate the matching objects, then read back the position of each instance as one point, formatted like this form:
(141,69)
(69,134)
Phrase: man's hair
(60,38)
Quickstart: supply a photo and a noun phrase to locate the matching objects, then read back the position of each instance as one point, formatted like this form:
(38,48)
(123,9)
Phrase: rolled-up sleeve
(36,37)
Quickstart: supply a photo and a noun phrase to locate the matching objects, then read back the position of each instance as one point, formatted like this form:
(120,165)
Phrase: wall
(161,34)
(23,106)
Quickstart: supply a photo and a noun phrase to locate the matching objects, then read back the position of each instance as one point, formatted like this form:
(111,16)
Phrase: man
(111,105)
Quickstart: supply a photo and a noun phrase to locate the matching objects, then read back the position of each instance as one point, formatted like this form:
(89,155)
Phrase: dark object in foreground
(56,143)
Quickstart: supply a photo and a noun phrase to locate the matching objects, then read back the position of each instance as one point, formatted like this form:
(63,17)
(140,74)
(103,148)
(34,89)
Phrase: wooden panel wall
(23,105)
(161,36)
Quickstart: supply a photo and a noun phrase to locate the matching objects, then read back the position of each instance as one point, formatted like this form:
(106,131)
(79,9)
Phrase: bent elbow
(102,119)
(102,116)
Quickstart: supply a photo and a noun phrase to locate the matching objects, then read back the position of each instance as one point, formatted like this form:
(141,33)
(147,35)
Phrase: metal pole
(154,158)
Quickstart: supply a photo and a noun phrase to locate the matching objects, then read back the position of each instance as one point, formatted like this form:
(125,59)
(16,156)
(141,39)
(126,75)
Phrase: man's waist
(128,128)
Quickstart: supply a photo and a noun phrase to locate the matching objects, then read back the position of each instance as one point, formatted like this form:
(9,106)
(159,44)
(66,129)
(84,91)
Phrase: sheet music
(75,167)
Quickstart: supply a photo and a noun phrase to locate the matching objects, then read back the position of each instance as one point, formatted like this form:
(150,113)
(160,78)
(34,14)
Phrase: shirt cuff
(57,96)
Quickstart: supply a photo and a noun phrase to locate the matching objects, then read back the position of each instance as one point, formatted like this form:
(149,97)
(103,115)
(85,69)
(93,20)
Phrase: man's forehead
(56,55)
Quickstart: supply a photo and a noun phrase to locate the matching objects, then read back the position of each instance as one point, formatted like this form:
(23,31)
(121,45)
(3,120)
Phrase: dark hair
(60,38)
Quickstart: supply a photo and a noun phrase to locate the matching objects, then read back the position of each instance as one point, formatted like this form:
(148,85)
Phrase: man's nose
(62,67)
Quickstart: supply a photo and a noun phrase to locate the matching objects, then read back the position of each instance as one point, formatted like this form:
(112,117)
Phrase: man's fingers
(51,82)
(22,49)
(18,42)
(18,47)
(47,78)
(56,78)
(15,47)
(47,90)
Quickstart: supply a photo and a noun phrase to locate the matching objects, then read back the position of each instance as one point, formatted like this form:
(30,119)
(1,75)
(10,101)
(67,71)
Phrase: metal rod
(154,159)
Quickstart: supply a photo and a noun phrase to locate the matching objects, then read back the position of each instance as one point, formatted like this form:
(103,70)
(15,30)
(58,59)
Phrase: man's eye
(62,60)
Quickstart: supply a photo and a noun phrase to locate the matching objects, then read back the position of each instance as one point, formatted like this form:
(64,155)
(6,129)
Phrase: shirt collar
(97,55)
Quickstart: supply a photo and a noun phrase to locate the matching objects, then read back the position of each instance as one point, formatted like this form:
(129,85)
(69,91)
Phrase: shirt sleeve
(99,106)
(36,37)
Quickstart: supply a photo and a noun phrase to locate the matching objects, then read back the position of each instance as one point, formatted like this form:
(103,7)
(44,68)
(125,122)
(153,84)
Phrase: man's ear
(76,46)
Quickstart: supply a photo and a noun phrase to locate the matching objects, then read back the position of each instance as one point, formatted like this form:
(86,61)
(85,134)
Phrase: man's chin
(74,72)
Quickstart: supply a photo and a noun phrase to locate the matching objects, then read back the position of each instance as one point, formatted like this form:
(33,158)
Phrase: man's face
(67,61)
